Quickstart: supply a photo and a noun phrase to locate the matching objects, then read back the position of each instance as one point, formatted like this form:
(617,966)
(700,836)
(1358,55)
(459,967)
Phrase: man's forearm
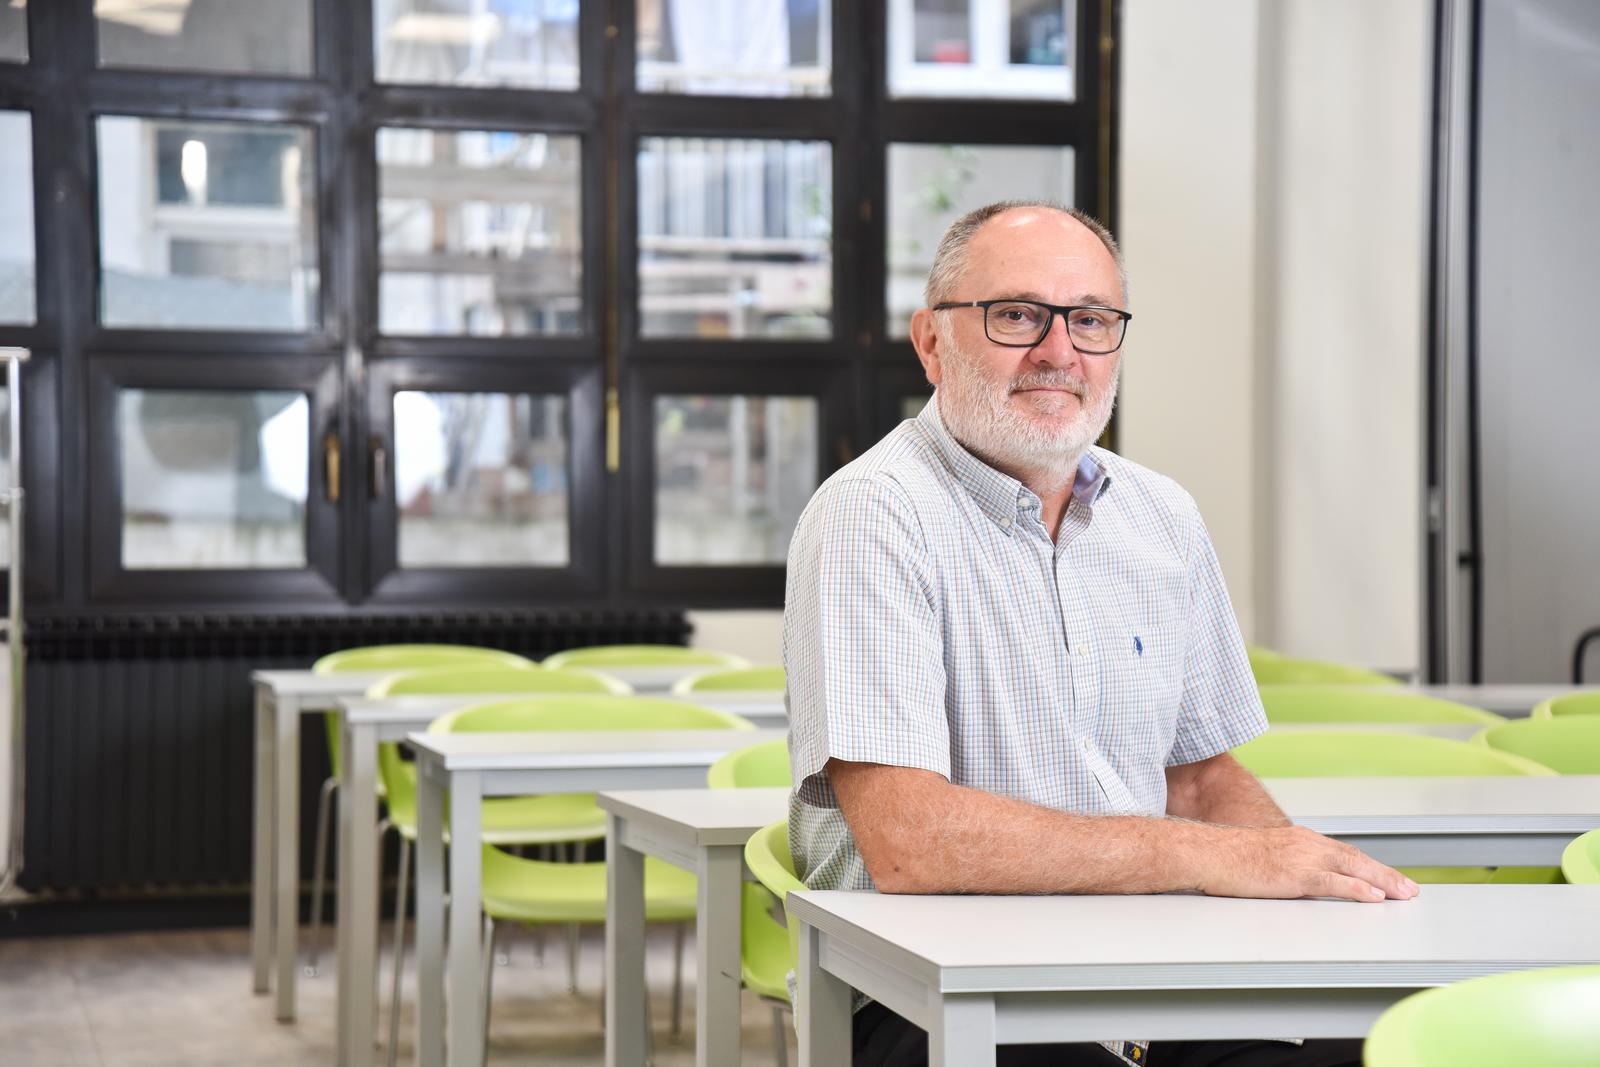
(1220,790)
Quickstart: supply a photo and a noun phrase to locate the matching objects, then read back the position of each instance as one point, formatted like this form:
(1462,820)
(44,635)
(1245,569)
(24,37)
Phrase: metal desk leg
(717,931)
(358,891)
(626,1036)
(963,1033)
(287,866)
(823,1011)
(261,875)
(464,961)
(430,916)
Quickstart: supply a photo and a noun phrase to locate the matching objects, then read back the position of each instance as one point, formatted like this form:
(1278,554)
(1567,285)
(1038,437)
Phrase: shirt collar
(1000,496)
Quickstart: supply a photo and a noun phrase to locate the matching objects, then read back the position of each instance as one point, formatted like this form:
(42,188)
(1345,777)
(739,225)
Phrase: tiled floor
(133,1000)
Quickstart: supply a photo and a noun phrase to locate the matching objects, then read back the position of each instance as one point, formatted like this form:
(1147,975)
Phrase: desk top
(1509,804)
(1186,941)
(1502,699)
(425,707)
(711,816)
(308,684)
(575,748)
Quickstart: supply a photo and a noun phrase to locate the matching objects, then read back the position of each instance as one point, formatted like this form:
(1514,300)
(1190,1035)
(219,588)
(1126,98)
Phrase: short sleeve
(1221,706)
(863,651)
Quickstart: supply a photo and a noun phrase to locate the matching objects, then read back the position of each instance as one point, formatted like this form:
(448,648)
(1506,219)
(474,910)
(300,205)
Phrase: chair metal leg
(399,951)
(489,932)
(780,1039)
(320,870)
(572,958)
(679,932)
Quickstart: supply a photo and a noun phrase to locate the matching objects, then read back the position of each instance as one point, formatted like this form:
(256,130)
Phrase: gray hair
(950,259)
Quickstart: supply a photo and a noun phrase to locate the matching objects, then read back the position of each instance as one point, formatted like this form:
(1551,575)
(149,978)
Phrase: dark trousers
(884,1039)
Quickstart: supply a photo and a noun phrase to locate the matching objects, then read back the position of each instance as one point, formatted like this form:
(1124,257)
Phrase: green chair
(1353,704)
(534,891)
(767,855)
(1580,860)
(1572,704)
(1547,1015)
(763,945)
(377,658)
(1358,753)
(1274,668)
(733,680)
(599,657)
(1569,745)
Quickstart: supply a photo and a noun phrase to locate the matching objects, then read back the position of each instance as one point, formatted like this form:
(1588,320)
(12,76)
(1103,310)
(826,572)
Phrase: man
(1012,663)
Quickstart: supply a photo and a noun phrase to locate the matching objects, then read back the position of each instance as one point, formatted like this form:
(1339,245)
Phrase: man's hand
(1293,861)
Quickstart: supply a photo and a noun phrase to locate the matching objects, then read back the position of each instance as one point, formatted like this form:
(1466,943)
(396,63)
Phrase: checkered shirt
(931,622)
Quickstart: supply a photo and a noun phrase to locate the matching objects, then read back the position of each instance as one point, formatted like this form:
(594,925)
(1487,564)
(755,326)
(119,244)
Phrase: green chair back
(736,679)
(599,657)
(1352,704)
(1570,744)
(583,711)
(1580,860)
(1572,704)
(1358,753)
(1546,1015)
(758,766)
(767,856)
(1274,668)
(497,679)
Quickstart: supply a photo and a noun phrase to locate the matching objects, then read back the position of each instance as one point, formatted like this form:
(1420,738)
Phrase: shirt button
(1006,521)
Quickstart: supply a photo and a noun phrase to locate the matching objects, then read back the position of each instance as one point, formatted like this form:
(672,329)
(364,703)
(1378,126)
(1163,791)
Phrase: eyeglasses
(1093,329)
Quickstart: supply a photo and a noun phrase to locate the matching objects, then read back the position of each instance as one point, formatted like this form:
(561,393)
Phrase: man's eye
(1016,313)
(1088,320)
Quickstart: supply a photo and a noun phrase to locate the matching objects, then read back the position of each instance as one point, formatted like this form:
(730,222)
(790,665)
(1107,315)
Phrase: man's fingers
(1394,884)
(1347,888)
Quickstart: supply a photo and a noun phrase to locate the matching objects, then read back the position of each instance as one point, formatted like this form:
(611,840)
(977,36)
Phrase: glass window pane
(13,31)
(732,476)
(207,225)
(530,44)
(932,185)
(16,217)
(271,37)
(734,47)
(735,238)
(481,479)
(479,232)
(1007,49)
(213,479)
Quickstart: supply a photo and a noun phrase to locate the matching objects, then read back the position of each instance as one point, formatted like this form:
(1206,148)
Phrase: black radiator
(140,730)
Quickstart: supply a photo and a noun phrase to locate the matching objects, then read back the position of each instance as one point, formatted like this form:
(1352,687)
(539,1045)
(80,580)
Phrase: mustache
(1044,379)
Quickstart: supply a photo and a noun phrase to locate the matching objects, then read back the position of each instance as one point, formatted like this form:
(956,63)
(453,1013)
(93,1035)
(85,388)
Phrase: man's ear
(925,339)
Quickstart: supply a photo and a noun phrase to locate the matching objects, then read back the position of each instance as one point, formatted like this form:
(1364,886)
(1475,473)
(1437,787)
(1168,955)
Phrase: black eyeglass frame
(1055,309)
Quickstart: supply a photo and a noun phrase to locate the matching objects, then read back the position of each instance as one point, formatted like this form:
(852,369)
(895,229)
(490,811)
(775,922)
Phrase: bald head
(951,259)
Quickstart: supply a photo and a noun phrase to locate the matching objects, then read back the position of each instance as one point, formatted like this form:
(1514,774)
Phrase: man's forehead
(1035,247)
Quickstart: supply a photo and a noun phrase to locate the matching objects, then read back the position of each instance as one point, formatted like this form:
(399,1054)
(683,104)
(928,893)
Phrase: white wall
(1273,168)
(755,635)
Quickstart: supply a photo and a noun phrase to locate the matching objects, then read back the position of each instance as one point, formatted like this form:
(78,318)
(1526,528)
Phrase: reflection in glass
(207,225)
(735,238)
(732,476)
(213,479)
(271,37)
(931,185)
(734,47)
(1007,49)
(16,217)
(13,31)
(481,479)
(479,232)
(530,44)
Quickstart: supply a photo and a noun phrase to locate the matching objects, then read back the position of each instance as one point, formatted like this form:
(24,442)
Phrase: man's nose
(1055,348)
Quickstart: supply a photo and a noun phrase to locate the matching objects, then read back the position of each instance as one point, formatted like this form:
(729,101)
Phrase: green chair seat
(767,855)
(755,767)
(599,657)
(1274,668)
(534,891)
(763,945)
(1352,704)
(1569,744)
(735,679)
(587,712)
(1574,704)
(1580,860)
(1548,1015)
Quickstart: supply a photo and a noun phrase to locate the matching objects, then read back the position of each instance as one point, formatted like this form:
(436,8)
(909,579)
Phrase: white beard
(990,420)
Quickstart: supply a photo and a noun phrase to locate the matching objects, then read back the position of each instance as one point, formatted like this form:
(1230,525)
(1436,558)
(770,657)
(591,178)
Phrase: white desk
(1515,701)
(472,766)
(703,831)
(1454,731)
(980,971)
(764,707)
(1447,822)
(652,681)
(281,698)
